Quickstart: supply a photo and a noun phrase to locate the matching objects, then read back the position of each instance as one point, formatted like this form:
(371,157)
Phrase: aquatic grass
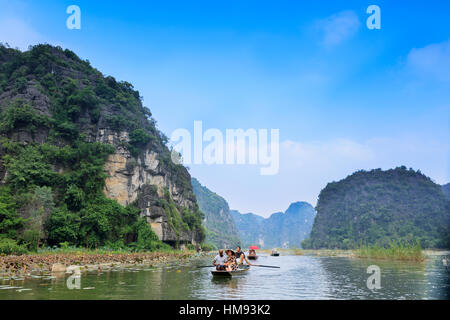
(321,252)
(394,251)
(298,252)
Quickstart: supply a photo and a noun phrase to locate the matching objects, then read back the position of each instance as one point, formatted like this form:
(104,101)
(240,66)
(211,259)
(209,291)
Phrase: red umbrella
(254,248)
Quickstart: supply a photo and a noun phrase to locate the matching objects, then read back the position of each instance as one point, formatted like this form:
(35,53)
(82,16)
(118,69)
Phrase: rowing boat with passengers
(225,273)
(252,253)
(226,265)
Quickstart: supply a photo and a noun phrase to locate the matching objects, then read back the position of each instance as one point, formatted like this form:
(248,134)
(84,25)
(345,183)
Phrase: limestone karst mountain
(75,138)
(377,207)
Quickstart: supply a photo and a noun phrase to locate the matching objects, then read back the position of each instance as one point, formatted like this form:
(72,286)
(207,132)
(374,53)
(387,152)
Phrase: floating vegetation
(45,261)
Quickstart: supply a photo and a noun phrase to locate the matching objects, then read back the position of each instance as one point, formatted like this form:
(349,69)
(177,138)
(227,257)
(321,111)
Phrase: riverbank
(46,263)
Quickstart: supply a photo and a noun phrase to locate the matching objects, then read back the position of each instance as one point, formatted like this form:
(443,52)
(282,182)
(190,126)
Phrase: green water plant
(406,251)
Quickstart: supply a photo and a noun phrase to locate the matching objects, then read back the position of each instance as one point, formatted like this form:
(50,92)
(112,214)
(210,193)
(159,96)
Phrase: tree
(10,221)
(39,207)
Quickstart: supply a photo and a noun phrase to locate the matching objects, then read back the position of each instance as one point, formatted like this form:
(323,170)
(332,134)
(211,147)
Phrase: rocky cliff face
(50,96)
(143,180)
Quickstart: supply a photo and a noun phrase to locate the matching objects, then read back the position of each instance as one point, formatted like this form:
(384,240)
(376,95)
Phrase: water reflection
(300,277)
(347,279)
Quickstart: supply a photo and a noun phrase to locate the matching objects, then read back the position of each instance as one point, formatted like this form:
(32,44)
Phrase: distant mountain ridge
(221,231)
(249,227)
(282,230)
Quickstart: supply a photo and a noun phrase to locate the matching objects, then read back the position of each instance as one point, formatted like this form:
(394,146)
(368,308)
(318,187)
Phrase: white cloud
(19,34)
(338,27)
(432,61)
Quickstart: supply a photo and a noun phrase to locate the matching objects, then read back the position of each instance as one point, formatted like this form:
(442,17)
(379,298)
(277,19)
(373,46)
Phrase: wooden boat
(274,254)
(252,254)
(224,273)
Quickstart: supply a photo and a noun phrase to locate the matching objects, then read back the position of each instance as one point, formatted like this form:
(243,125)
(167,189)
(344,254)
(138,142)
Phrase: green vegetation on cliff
(52,174)
(187,221)
(446,190)
(378,207)
(221,230)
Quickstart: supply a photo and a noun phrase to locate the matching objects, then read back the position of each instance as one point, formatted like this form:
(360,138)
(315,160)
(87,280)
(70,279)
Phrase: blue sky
(343,97)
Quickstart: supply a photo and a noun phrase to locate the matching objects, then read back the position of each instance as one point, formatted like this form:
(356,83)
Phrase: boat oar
(260,265)
(205,266)
(253,265)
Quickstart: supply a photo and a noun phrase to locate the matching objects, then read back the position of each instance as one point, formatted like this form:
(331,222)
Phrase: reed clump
(394,251)
(298,252)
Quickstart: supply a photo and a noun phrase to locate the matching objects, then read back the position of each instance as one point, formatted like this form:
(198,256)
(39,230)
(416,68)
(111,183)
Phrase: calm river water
(300,277)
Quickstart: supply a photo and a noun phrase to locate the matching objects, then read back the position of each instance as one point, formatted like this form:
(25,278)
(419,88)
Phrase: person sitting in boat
(220,260)
(230,265)
(252,252)
(240,256)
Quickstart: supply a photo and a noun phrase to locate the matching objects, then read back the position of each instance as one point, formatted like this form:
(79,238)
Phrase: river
(300,277)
